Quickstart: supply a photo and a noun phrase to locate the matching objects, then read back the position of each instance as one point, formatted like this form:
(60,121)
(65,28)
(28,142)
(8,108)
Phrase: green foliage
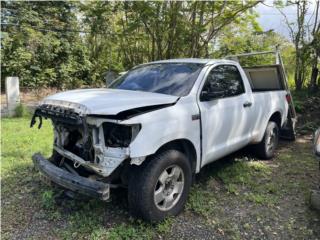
(39,48)
(257,198)
(21,111)
(165,226)
(249,37)
(232,188)
(47,199)
(236,173)
(124,232)
(74,44)
(201,202)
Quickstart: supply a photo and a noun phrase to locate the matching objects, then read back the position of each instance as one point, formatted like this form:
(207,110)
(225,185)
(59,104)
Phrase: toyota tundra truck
(156,126)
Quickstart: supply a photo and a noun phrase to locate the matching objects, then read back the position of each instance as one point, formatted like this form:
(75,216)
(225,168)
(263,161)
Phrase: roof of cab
(193,60)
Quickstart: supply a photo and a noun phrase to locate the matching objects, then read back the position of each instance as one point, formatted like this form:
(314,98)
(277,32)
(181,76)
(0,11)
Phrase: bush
(21,111)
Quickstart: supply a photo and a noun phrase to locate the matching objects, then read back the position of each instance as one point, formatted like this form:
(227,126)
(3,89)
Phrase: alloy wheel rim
(272,140)
(169,188)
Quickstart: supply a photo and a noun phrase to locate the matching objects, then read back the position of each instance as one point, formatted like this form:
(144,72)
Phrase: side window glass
(224,81)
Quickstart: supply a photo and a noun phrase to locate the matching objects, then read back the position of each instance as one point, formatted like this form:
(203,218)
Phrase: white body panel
(225,124)
(264,105)
(107,101)
(158,128)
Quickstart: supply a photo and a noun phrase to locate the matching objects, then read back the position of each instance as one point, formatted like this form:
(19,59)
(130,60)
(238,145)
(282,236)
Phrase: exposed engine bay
(93,143)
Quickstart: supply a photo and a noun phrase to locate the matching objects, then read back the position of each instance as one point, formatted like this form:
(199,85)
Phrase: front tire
(160,187)
(266,148)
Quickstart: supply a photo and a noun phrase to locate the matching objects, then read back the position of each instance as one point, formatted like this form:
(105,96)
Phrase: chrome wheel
(169,188)
(272,140)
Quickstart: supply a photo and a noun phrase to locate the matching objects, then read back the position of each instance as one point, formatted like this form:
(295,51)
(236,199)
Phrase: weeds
(47,199)
(165,226)
(21,111)
(124,232)
(201,201)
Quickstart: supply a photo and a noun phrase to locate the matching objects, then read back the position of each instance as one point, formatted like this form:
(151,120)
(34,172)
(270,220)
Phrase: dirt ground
(238,197)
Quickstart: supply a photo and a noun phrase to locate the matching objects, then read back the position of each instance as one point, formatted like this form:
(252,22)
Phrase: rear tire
(266,148)
(159,188)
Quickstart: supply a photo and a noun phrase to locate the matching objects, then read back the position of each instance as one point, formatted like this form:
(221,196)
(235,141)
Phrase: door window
(224,81)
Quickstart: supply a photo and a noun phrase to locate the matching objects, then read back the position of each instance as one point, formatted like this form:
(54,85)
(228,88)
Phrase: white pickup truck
(157,125)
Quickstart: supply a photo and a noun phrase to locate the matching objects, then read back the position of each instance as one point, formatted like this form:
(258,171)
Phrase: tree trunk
(172,28)
(297,73)
(313,80)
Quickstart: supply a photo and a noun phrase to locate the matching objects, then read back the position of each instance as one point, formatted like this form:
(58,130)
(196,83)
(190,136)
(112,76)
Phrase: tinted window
(168,78)
(225,80)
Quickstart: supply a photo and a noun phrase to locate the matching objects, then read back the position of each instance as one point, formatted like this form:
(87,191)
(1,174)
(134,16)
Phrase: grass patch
(232,188)
(48,201)
(242,173)
(128,232)
(89,222)
(201,201)
(165,226)
(19,142)
(258,198)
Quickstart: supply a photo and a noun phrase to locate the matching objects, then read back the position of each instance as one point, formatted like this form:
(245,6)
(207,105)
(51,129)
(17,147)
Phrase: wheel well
(276,117)
(186,147)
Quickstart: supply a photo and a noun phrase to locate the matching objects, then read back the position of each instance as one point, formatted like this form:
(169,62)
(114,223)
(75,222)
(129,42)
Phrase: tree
(208,19)
(42,44)
(70,44)
(315,49)
(306,50)
(134,32)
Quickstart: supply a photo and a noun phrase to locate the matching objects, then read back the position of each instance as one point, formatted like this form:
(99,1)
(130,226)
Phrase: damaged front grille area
(57,114)
(96,144)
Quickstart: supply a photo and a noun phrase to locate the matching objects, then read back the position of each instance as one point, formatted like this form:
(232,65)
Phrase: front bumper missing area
(71,181)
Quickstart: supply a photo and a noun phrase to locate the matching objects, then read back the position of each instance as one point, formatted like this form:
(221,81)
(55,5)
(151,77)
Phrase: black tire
(271,136)
(145,179)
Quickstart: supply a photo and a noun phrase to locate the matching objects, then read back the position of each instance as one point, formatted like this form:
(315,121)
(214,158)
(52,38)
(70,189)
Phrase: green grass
(48,199)
(243,172)
(201,201)
(19,142)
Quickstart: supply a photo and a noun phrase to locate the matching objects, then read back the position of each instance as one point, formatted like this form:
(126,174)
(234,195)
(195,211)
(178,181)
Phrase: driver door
(225,110)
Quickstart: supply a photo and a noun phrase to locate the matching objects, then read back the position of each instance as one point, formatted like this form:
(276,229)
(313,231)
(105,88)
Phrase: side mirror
(317,143)
(208,96)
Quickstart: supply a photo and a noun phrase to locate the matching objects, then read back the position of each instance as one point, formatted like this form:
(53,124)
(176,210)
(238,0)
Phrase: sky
(271,18)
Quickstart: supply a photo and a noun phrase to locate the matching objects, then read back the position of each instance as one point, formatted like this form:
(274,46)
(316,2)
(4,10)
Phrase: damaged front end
(91,147)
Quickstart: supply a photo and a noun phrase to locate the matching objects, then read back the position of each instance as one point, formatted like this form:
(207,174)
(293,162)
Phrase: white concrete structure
(13,94)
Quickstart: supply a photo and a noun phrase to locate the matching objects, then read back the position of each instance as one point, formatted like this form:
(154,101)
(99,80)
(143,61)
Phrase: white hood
(107,101)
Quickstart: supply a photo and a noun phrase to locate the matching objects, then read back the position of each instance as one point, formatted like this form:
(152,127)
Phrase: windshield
(168,78)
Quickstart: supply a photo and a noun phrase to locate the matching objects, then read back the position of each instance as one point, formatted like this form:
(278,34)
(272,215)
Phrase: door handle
(247,104)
